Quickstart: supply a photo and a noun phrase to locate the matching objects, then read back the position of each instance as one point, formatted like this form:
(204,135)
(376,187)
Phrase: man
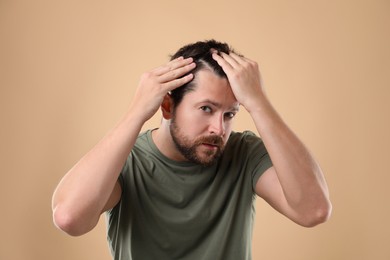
(186,190)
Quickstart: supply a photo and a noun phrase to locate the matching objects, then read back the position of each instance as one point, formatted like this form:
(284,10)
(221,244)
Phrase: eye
(206,109)
(230,115)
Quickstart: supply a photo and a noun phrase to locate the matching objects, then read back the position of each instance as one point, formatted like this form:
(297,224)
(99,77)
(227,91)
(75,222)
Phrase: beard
(192,150)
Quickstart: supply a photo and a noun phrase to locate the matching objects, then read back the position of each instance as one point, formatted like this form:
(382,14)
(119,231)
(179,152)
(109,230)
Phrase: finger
(226,66)
(237,62)
(172,65)
(176,73)
(230,59)
(173,84)
(239,58)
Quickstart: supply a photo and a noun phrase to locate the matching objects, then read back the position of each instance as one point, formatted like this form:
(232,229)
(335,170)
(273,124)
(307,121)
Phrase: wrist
(257,104)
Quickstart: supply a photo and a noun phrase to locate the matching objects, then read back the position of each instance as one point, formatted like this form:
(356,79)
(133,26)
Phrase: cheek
(191,125)
(228,129)
(194,119)
(229,124)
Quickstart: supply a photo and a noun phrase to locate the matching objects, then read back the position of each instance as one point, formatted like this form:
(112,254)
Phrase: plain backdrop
(69,69)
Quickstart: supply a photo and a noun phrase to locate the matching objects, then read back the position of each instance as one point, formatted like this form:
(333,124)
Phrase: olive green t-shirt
(182,210)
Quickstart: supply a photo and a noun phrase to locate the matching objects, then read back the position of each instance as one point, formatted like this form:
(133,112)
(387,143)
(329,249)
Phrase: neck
(164,142)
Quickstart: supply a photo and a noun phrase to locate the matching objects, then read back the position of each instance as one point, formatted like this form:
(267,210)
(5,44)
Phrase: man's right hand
(155,84)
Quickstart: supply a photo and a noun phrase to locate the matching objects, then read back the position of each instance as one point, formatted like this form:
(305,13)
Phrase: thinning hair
(201,53)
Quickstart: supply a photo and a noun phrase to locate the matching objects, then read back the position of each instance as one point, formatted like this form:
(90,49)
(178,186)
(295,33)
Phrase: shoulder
(143,137)
(243,138)
(143,143)
(246,146)
(140,150)
(243,144)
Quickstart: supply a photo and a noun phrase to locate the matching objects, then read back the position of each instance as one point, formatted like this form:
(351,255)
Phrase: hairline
(190,87)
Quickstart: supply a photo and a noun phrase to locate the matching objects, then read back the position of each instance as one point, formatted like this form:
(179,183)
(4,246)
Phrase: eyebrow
(218,105)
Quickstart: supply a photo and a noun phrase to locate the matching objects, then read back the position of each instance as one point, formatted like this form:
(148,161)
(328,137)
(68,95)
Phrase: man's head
(201,111)
(201,53)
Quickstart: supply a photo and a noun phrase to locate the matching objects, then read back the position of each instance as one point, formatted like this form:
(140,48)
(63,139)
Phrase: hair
(201,53)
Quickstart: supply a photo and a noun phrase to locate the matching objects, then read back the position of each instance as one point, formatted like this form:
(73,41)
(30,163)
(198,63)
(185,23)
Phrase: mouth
(210,146)
(211,143)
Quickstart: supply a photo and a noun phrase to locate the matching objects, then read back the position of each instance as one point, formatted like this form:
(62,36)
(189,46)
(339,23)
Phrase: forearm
(300,176)
(83,192)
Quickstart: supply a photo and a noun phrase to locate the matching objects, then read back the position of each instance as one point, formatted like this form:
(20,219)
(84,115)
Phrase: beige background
(68,70)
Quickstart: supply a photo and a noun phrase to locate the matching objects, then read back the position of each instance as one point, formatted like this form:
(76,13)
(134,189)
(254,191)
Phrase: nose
(217,125)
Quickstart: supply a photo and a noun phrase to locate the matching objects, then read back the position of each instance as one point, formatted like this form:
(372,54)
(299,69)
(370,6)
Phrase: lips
(211,145)
(211,140)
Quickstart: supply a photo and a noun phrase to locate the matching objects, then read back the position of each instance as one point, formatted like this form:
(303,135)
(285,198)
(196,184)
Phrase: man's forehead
(206,80)
(232,106)
(210,88)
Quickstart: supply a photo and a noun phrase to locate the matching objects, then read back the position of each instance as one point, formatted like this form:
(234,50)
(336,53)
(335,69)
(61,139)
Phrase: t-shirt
(182,210)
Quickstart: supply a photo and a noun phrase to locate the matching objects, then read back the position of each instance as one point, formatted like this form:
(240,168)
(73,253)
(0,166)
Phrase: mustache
(211,139)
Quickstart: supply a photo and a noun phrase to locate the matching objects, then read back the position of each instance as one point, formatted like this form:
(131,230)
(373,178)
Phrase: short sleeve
(258,158)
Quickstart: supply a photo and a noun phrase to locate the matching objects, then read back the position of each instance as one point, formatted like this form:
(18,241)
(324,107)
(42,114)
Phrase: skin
(295,185)
(206,112)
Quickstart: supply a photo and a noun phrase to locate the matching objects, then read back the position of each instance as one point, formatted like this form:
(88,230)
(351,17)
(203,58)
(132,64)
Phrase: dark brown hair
(201,53)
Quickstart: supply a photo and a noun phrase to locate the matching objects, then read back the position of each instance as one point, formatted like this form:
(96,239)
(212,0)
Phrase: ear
(167,107)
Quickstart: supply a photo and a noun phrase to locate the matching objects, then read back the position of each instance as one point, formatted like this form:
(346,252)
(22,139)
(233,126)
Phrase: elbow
(318,215)
(68,222)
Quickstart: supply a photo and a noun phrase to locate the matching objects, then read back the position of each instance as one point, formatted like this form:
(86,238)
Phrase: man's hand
(244,78)
(154,85)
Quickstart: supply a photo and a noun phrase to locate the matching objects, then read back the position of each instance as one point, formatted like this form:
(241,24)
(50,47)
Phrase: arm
(91,186)
(295,185)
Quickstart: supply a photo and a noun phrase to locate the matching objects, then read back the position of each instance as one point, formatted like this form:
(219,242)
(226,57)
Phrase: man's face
(202,122)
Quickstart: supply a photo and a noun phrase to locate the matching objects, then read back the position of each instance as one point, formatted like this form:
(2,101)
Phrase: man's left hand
(244,78)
